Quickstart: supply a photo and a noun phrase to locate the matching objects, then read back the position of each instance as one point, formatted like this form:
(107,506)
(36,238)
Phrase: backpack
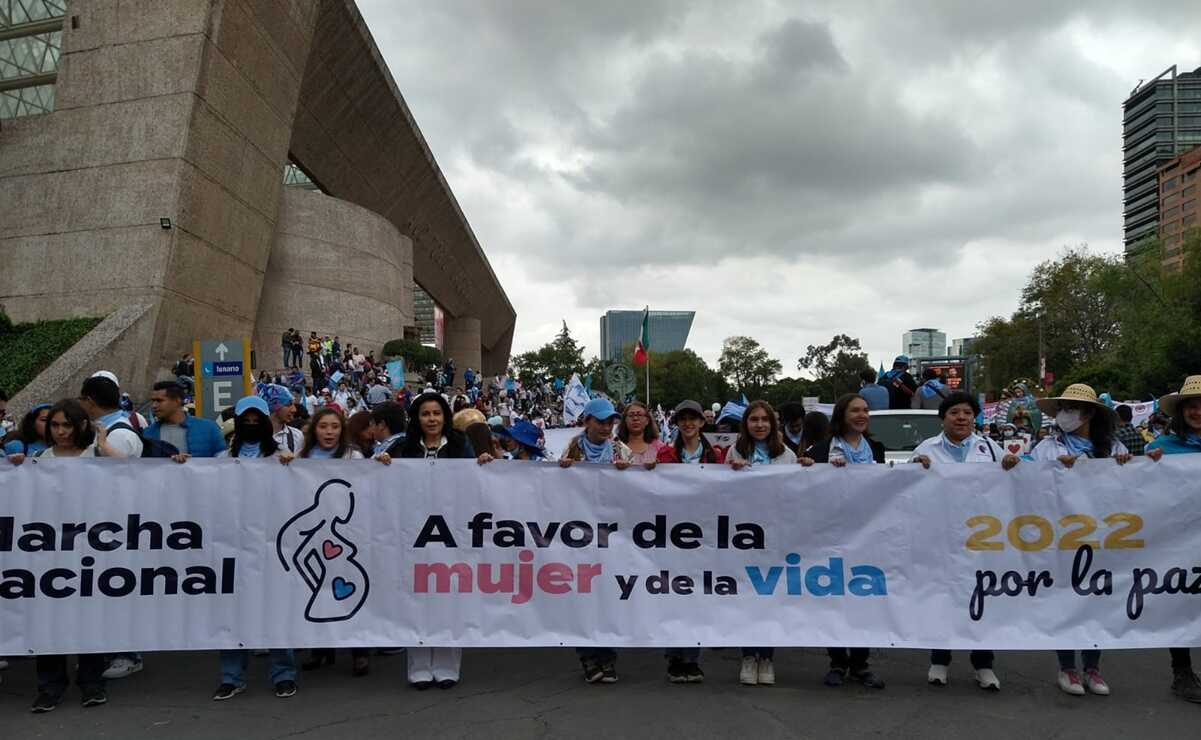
(150,447)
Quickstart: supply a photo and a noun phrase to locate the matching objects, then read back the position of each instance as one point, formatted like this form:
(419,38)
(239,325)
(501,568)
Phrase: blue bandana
(796,440)
(384,444)
(1193,439)
(855,455)
(249,449)
(760,455)
(931,388)
(692,457)
(320,453)
(1077,445)
(594,453)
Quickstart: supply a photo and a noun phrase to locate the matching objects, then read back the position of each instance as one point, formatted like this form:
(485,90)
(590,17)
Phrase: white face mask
(1069,421)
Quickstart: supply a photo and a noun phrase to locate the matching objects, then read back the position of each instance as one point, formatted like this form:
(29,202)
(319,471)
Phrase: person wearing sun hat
(1085,428)
(1183,436)
(527,439)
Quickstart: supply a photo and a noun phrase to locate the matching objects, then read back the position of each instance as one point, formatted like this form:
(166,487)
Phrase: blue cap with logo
(600,409)
(251,402)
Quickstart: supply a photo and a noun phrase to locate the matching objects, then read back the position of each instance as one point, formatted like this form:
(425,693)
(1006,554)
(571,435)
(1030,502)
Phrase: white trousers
(434,664)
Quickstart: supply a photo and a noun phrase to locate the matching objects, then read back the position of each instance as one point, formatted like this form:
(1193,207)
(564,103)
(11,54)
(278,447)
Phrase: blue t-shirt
(17,447)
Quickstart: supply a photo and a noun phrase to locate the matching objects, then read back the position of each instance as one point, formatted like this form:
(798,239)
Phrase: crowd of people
(351,411)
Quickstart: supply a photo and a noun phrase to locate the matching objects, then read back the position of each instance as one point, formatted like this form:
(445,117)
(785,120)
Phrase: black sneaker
(676,672)
(868,679)
(284,689)
(1186,685)
(44,703)
(227,691)
(94,698)
(835,677)
(592,671)
(694,673)
(609,673)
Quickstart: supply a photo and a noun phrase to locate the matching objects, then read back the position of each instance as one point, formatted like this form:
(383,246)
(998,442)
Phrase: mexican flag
(644,339)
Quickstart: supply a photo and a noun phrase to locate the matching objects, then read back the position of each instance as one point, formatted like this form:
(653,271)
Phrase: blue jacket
(204,436)
(1172,445)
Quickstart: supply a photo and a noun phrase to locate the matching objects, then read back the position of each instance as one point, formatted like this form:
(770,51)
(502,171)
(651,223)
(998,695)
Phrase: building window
(1170,184)
(30,45)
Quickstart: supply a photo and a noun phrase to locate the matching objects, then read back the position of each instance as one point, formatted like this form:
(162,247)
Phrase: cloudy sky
(788,170)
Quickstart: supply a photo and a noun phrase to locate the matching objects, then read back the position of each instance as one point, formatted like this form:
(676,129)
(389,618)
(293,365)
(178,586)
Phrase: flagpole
(648,360)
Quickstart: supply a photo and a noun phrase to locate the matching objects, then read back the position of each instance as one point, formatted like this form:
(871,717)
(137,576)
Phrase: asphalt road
(539,693)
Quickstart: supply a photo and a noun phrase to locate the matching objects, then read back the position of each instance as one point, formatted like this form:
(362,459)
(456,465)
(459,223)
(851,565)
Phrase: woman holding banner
(640,433)
(328,438)
(959,443)
(1183,437)
(849,443)
(759,443)
(683,664)
(1086,428)
(254,438)
(431,436)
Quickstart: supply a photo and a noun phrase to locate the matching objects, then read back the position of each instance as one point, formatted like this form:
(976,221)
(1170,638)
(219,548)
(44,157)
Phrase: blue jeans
(1067,659)
(234,662)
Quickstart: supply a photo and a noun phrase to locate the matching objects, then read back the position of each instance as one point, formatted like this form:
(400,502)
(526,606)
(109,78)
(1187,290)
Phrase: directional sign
(224,376)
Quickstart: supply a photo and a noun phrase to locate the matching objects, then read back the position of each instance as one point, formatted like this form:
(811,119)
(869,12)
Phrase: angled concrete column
(463,344)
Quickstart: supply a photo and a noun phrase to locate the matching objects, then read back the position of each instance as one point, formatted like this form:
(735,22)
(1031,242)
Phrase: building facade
(960,347)
(619,329)
(918,343)
(1179,195)
(1160,121)
(144,151)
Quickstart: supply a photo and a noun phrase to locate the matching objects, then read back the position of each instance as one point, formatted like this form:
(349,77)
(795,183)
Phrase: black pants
(980,658)
(853,660)
(53,679)
(1182,660)
(599,655)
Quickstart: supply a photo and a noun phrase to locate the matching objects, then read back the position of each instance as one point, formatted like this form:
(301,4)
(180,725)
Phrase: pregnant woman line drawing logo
(313,542)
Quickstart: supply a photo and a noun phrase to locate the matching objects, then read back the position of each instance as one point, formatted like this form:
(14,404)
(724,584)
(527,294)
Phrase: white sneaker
(122,667)
(1094,683)
(749,675)
(987,680)
(3,664)
(1069,683)
(937,675)
(767,672)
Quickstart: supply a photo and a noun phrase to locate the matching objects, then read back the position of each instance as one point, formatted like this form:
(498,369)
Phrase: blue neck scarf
(760,455)
(596,453)
(1193,439)
(320,453)
(1077,445)
(249,449)
(384,444)
(856,455)
(931,388)
(692,457)
(795,439)
(957,451)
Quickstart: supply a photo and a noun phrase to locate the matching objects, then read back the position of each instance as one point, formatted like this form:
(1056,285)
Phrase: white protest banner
(118,555)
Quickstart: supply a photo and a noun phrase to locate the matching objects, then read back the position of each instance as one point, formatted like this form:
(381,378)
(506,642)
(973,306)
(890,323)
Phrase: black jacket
(821,451)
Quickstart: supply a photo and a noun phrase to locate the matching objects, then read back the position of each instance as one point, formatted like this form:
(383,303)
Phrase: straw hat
(1078,392)
(1190,389)
(466,418)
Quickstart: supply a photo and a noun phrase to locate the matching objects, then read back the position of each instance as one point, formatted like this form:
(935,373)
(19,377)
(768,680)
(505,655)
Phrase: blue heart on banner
(342,589)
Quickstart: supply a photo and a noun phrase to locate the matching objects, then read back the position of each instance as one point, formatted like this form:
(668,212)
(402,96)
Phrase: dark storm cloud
(601,148)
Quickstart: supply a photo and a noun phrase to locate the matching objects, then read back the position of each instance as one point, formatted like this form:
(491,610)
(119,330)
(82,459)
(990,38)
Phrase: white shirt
(979,449)
(281,439)
(1053,448)
(125,441)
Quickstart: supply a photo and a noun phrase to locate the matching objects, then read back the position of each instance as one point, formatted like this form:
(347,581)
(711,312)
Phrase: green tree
(835,366)
(1008,349)
(789,389)
(1073,298)
(418,357)
(558,359)
(676,376)
(746,366)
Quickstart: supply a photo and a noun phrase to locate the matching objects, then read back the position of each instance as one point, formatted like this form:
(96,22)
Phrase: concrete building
(1179,196)
(1160,120)
(668,331)
(919,343)
(960,347)
(144,148)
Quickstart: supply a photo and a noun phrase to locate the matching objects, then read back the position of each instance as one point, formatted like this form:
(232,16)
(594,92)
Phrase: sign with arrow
(224,374)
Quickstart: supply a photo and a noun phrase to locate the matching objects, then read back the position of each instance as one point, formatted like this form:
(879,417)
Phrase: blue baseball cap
(251,402)
(901,360)
(600,409)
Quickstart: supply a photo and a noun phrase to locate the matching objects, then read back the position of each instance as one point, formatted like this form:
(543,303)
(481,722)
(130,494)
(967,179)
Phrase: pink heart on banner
(1014,447)
(330,550)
